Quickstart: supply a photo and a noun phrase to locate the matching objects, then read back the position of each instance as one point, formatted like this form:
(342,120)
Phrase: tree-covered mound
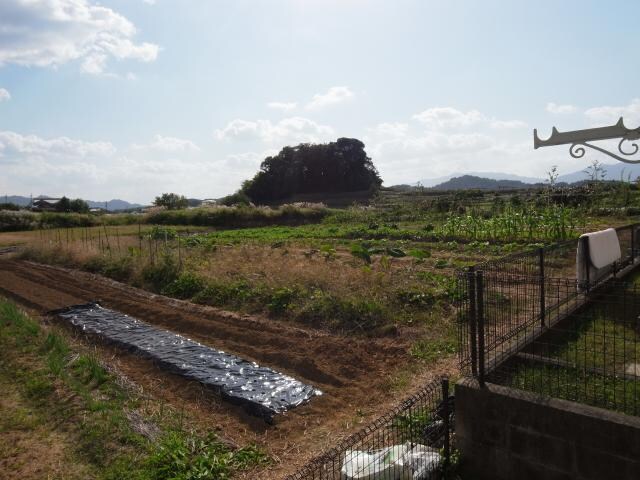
(340,166)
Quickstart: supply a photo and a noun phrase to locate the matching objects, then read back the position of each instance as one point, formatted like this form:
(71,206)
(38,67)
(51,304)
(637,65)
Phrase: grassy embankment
(65,416)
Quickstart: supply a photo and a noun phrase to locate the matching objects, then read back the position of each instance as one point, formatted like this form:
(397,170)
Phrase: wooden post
(106,236)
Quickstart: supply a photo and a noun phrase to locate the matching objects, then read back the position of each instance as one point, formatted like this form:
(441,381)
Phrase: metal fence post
(473,341)
(445,418)
(480,320)
(543,306)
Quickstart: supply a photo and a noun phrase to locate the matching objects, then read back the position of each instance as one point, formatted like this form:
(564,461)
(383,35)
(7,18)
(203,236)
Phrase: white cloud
(432,144)
(284,106)
(334,96)
(149,2)
(443,140)
(168,144)
(239,129)
(13,144)
(99,171)
(607,115)
(559,109)
(448,117)
(507,124)
(4,95)
(287,131)
(50,33)
(393,129)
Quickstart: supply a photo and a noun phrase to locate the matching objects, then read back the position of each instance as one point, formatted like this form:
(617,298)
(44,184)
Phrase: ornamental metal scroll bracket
(579,141)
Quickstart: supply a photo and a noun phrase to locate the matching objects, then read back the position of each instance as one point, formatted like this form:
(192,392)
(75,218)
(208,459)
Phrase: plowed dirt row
(352,372)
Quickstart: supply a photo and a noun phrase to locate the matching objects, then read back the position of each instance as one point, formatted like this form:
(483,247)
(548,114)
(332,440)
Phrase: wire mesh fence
(591,356)
(411,441)
(522,292)
(517,313)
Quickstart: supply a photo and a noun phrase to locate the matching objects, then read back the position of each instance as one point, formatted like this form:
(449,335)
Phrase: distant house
(45,204)
(97,210)
(209,202)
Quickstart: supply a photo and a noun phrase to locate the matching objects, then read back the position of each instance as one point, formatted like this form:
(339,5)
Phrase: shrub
(159,275)
(162,233)
(11,221)
(361,251)
(416,298)
(419,253)
(238,216)
(119,268)
(281,299)
(65,220)
(342,314)
(186,285)
(219,294)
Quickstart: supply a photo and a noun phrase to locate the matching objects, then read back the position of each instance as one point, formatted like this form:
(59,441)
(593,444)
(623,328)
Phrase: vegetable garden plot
(260,390)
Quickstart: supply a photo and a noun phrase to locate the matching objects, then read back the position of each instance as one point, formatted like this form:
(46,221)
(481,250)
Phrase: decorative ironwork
(580,141)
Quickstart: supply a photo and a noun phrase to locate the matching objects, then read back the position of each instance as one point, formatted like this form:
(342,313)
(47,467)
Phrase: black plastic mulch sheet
(260,390)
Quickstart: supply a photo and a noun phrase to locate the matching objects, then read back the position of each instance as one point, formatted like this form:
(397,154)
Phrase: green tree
(340,166)
(67,205)
(172,201)
(63,205)
(79,206)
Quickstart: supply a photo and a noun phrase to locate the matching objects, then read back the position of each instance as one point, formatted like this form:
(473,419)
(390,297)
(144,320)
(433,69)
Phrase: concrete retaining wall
(511,434)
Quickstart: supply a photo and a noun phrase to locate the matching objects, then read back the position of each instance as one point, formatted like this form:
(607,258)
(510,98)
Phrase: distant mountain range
(432,182)
(112,205)
(614,172)
(482,183)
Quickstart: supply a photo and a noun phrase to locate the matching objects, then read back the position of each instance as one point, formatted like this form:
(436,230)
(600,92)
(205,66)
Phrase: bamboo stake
(106,236)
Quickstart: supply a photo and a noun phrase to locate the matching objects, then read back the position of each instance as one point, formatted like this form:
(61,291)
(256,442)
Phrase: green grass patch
(433,350)
(47,372)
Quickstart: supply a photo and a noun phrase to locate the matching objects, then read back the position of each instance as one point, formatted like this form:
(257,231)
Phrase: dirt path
(352,373)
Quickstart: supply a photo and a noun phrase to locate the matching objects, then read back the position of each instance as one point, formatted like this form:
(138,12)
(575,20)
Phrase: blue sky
(131,98)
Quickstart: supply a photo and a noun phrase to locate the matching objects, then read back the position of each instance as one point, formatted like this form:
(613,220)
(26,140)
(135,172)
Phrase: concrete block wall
(511,434)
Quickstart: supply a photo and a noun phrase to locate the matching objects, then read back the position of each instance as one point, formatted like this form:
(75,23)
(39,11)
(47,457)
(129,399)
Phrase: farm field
(297,240)
(359,305)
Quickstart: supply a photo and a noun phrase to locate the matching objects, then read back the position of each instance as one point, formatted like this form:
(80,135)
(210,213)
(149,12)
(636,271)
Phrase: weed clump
(160,274)
(185,457)
(187,285)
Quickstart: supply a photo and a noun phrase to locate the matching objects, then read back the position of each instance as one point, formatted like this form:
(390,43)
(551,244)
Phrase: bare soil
(354,373)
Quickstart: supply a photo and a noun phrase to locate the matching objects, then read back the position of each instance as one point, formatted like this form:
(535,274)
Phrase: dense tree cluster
(172,201)
(340,166)
(67,205)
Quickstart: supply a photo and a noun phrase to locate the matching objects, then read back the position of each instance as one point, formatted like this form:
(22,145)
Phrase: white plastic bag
(399,462)
(379,465)
(422,461)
